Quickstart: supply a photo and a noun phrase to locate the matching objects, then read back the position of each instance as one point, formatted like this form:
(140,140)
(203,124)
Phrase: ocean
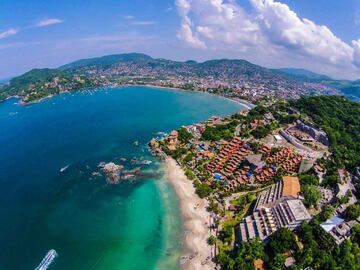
(53,195)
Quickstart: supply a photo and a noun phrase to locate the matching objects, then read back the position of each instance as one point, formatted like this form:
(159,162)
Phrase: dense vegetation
(39,83)
(340,118)
(218,132)
(316,250)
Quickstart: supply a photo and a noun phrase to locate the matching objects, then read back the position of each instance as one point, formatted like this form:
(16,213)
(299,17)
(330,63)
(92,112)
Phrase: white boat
(48,259)
(64,168)
(146,162)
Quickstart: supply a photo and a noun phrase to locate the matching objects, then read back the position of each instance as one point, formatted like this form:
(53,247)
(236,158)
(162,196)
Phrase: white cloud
(271,33)
(131,20)
(48,22)
(356,45)
(8,33)
(143,23)
(128,17)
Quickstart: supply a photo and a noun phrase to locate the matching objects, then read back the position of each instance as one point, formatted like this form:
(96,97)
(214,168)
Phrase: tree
(184,136)
(226,234)
(352,212)
(211,240)
(326,212)
(203,190)
(251,250)
(308,179)
(330,181)
(356,234)
(226,262)
(312,195)
(277,262)
(213,206)
(281,241)
(349,255)
(188,158)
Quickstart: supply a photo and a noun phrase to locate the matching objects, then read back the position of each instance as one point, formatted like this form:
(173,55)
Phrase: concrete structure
(342,231)
(275,208)
(327,196)
(288,213)
(329,224)
(289,188)
(306,165)
(317,134)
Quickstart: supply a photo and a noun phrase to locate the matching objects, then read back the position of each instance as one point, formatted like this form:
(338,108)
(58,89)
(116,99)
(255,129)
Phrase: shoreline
(246,104)
(195,219)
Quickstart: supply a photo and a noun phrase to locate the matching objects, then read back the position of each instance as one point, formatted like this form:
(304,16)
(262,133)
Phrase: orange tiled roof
(259,264)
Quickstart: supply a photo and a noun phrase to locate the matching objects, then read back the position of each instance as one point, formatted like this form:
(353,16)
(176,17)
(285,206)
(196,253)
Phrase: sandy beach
(195,218)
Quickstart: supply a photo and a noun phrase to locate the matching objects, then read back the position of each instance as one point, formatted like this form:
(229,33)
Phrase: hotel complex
(277,207)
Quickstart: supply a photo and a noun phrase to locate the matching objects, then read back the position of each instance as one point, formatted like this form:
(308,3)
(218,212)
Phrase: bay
(50,198)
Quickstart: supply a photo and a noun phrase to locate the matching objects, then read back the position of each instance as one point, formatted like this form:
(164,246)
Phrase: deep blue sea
(90,223)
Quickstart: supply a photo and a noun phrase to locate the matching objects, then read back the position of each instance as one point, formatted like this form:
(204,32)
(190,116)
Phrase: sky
(322,36)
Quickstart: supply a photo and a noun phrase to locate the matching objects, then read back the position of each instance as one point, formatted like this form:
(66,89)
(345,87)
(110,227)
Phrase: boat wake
(48,259)
(64,168)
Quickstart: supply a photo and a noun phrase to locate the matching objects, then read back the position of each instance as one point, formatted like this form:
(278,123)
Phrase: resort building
(288,213)
(289,188)
(317,134)
(276,207)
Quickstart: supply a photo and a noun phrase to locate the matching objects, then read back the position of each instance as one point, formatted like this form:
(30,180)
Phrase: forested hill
(232,78)
(340,118)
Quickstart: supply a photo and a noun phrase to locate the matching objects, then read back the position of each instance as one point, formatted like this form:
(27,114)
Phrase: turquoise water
(90,223)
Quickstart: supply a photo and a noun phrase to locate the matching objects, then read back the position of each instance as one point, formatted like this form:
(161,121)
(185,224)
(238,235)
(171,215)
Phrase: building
(338,228)
(306,165)
(259,264)
(255,161)
(277,207)
(317,134)
(289,213)
(172,139)
(289,188)
(327,196)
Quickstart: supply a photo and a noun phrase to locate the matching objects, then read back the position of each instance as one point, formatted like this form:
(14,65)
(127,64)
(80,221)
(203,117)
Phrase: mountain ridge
(230,77)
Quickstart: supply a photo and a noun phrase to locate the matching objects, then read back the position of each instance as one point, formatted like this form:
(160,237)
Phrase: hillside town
(236,79)
(265,174)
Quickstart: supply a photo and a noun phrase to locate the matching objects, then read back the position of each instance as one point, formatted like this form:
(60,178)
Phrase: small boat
(146,162)
(48,259)
(136,143)
(128,176)
(64,168)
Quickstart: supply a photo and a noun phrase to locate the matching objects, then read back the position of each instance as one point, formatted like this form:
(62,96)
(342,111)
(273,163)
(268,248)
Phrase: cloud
(16,45)
(270,32)
(47,22)
(8,33)
(142,23)
(356,18)
(131,20)
(128,17)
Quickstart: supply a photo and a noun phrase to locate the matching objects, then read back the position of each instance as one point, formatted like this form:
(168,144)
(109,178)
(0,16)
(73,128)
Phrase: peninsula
(281,184)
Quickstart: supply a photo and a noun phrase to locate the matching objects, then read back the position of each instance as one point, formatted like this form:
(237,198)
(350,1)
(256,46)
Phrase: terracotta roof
(174,133)
(291,186)
(259,264)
